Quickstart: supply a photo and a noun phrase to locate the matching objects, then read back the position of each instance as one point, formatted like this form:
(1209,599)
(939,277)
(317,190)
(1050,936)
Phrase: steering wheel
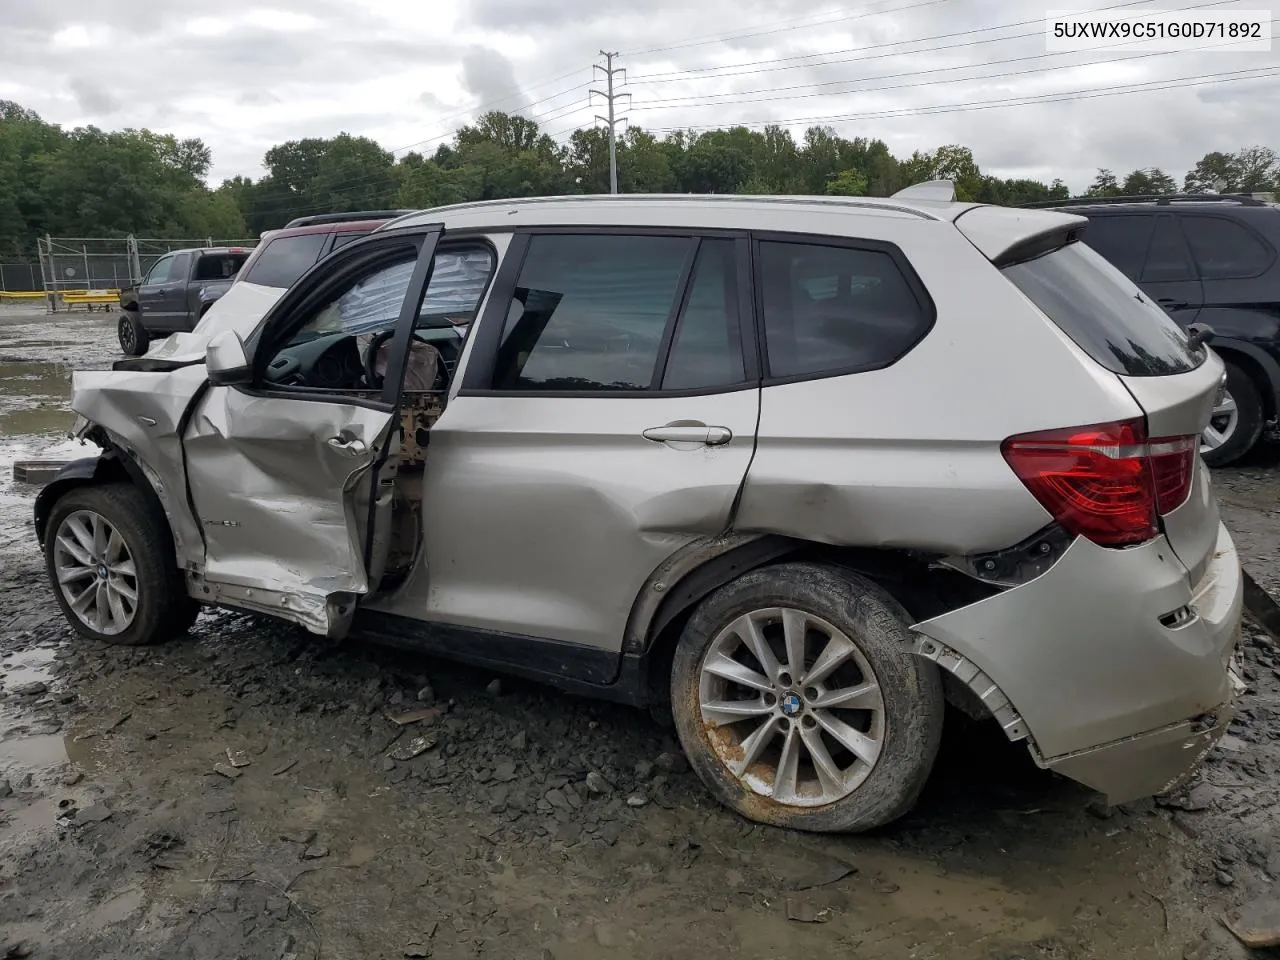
(371,375)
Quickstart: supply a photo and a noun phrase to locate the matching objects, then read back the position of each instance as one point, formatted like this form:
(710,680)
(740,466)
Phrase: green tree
(847,183)
(1148,181)
(1104,185)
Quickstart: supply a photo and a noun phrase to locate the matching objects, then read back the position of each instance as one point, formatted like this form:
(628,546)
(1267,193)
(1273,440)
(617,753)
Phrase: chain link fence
(20,278)
(77,266)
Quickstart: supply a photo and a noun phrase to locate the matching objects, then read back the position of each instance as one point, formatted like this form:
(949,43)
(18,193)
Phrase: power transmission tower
(609,71)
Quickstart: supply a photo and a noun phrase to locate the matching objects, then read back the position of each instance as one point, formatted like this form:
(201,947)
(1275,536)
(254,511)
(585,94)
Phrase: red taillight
(1173,467)
(1106,482)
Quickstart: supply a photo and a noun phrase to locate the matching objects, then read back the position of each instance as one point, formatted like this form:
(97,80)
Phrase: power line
(705,101)
(857,14)
(913,73)
(677,76)
(1087,94)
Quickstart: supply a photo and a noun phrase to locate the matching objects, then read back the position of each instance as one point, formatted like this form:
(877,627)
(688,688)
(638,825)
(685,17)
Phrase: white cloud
(915,73)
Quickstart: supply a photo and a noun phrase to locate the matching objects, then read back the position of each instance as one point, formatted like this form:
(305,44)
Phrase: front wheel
(109,559)
(799,703)
(133,336)
(1236,421)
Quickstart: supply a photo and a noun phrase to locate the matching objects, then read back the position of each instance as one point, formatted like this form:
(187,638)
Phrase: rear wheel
(133,336)
(799,703)
(110,562)
(1236,422)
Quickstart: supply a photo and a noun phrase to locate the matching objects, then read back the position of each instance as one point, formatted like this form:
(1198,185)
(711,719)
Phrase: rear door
(606,418)
(1101,310)
(1169,274)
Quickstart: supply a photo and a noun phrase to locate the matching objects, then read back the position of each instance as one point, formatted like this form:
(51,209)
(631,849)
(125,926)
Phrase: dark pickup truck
(175,293)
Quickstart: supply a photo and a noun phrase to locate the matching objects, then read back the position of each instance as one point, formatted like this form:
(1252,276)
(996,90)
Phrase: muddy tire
(845,746)
(1235,429)
(110,562)
(134,337)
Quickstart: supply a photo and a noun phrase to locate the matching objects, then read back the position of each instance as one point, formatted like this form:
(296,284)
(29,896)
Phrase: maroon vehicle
(283,255)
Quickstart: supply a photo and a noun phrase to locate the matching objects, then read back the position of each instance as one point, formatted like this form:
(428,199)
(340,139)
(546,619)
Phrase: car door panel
(546,512)
(294,487)
(268,470)
(1169,276)
(152,291)
(545,516)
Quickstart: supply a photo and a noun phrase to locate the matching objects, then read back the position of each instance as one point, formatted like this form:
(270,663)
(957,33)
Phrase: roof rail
(345,217)
(1163,199)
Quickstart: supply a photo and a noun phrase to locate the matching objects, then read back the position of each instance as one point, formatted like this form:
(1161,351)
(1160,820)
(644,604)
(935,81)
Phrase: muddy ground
(236,794)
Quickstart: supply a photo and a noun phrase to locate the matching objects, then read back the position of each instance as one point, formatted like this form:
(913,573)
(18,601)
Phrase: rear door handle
(689,433)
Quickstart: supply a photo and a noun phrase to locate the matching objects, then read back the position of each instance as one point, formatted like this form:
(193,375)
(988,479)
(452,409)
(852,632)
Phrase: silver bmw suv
(805,469)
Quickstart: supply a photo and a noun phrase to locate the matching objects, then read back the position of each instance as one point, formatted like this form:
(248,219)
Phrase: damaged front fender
(142,416)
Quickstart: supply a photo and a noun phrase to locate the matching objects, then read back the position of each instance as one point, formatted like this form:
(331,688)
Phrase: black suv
(1210,259)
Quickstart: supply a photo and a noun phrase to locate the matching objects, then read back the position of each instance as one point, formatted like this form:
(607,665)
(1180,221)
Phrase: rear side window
(706,351)
(1168,259)
(1225,250)
(1104,313)
(1122,240)
(835,309)
(284,260)
(220,267)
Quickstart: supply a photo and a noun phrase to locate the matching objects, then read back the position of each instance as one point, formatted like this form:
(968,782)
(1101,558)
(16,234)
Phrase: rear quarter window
(1106,315)
(1224,249)
(833,310)
(285,259)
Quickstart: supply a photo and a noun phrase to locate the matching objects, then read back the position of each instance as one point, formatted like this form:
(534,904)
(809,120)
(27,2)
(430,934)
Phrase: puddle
(34,398)
(28,744)
(27,344)
(23,379)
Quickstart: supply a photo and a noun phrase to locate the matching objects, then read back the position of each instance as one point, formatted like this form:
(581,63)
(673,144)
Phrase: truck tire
(109,558)
(134,338)
(800,704)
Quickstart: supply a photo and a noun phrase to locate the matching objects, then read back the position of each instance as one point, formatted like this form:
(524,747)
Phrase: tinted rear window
(219,266)
(1104,313)
(285,259)
(1225,250)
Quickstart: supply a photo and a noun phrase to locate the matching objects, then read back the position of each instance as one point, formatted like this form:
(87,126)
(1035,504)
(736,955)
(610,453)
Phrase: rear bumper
(1152,763)
(1118,670)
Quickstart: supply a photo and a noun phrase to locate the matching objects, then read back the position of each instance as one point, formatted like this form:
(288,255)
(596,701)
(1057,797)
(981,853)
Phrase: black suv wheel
(1236,423)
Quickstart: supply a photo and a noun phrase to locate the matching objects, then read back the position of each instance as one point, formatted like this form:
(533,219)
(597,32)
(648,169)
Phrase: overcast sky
(246,75)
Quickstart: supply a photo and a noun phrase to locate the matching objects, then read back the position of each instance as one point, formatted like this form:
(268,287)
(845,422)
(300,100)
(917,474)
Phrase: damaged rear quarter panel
(908,456)
(143,414)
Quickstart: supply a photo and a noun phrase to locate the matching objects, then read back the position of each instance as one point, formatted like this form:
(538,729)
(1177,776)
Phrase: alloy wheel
(1222,423)
(791,707)
(96,572)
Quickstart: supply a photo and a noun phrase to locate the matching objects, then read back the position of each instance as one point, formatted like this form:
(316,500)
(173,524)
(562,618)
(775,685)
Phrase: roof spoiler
(1008,235)
(938,191)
